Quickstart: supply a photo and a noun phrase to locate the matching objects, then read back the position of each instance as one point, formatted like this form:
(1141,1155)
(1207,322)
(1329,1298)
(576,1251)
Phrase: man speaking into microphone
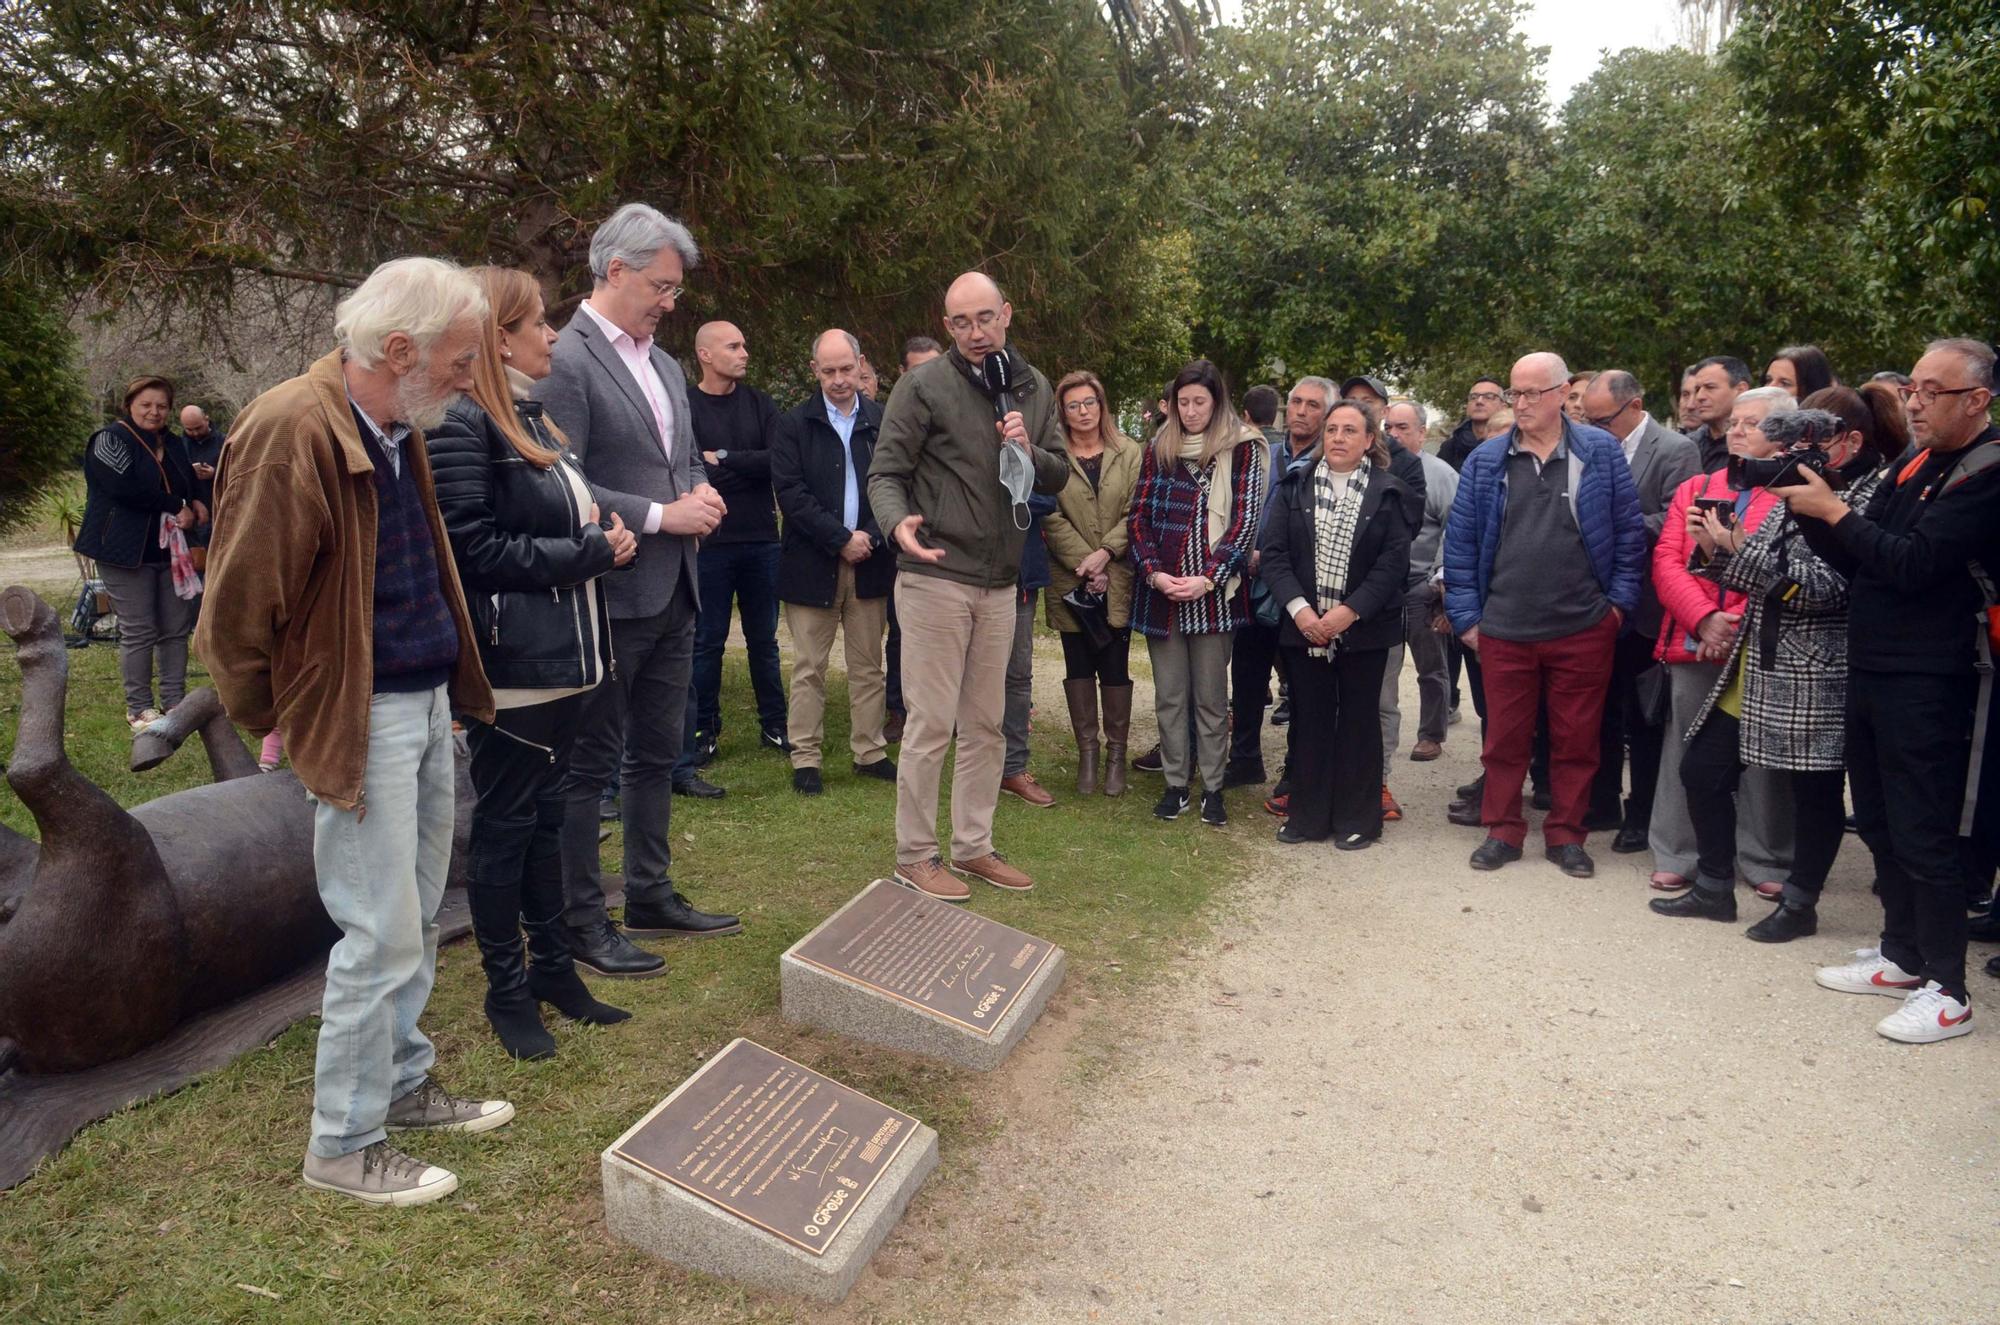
(964,440)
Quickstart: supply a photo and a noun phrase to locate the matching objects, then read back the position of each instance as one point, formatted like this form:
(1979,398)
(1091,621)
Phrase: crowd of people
(1700,641)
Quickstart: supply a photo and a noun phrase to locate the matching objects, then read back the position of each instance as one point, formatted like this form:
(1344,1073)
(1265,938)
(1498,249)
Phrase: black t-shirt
(742,423)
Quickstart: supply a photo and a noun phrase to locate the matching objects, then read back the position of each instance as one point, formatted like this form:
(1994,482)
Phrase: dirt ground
(1392,1089)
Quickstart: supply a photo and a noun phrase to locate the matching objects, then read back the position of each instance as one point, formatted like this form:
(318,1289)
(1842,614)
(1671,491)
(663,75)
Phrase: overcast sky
(1578,32)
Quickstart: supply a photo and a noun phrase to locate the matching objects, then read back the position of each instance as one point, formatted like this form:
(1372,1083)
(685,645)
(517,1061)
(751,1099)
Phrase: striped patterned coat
(1795,709)
(1168,508)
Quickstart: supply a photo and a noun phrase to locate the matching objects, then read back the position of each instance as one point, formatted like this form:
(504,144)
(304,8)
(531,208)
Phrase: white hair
(421,297)
(1423,415)
(1321,385)
(1550,360)
(634,235)
(1780,398)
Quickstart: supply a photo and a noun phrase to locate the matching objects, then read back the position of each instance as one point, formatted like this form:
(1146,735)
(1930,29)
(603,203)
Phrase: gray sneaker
(429,1109)
(380,1175)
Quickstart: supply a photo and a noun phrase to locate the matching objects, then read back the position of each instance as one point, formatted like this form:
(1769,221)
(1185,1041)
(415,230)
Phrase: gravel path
(1397,1090)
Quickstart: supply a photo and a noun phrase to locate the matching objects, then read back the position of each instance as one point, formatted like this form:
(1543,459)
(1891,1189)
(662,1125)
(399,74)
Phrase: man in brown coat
(335,615)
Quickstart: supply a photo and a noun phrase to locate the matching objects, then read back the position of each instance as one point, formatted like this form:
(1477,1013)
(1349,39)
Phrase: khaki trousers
(862,623)
(956,639)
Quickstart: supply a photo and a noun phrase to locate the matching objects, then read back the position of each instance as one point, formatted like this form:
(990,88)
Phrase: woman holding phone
(1697,631)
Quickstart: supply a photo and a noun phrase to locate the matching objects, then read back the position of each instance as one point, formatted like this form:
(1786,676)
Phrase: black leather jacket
(524,552)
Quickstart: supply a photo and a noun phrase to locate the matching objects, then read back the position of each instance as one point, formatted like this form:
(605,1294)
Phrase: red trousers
(1571,676)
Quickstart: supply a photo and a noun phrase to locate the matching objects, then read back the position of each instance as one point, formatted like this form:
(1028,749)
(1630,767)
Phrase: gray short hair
(1621,385)
(1780,398)
(1322,385)
(421,297)
(634,235)
(1423,415)
(1978,356)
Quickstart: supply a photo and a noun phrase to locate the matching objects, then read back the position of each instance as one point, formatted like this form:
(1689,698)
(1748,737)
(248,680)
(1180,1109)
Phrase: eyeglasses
(1483,396)
(984,321)
(1530,394)
(1608,419)
(1928,395)
(1080,406)
(664,289)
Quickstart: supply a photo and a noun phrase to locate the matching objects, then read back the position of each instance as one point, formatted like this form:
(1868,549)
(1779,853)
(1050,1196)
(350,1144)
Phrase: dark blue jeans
(745,574)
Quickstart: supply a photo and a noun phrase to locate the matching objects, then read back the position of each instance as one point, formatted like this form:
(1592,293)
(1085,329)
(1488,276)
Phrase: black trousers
(1251,659)
(1711,769)
(1908,738)
(1110,665)
(518,766)
(1336,749)
(1623,732)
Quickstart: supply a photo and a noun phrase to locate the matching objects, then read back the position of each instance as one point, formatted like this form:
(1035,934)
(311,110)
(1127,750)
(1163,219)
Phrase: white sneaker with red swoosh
(1869,973)
(1927,1016)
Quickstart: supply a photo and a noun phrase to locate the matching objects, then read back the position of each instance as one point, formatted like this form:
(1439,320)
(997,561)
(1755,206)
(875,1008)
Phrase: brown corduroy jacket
(287,618)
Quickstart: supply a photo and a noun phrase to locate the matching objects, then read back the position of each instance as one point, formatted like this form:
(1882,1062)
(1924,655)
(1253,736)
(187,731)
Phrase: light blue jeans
(381,876)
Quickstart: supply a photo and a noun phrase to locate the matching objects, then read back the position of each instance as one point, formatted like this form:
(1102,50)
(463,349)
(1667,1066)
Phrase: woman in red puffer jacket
(1696,632)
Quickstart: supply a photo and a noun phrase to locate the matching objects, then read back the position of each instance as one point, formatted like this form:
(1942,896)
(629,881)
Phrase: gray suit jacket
(610,428)
(1662,462)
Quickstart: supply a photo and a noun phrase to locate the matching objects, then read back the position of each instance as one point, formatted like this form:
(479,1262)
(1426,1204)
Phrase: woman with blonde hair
(1193,528)
(1090,578)
(525,534)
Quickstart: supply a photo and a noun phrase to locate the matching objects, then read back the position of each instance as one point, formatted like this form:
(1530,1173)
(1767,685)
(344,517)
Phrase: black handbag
(1655,692)
(1093,614)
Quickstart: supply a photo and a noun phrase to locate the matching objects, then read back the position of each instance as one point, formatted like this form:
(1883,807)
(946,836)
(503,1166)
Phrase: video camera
(1799,433)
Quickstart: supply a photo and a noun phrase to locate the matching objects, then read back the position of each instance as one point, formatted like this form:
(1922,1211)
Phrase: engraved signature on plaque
(773,1142)
(928,953)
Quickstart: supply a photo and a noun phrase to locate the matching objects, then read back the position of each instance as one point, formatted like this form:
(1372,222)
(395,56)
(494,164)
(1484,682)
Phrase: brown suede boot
(1082,697)
(1117,726)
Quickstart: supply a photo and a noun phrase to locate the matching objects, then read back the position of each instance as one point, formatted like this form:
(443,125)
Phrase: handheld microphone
(998,380)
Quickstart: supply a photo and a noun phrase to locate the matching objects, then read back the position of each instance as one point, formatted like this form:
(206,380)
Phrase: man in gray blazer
(1661,461)
(622,401)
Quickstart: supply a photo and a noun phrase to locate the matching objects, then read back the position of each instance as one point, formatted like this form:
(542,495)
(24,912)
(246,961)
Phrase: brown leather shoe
(1029,790)
(933,879)
(993,868)
(1424,751)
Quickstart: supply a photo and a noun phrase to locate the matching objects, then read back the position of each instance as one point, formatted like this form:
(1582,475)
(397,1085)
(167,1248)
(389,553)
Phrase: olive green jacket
(1087,520)
(938,455)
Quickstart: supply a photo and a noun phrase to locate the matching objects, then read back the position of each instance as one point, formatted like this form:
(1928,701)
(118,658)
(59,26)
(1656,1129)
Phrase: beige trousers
(956,639)
(862,623)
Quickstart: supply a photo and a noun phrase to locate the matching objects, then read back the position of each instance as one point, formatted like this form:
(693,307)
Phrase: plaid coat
(1167,510)
(1795,710)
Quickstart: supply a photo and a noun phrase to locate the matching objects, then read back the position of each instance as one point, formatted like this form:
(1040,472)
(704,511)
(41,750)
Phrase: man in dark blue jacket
(1544,554)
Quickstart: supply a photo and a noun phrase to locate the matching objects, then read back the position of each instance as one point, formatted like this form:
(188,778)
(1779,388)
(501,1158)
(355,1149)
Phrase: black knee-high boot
(495,897)
(552,976)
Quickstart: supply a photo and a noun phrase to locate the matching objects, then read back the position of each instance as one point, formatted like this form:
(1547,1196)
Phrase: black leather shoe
(1492,854)
(1628,841)
(1540,799)
(1993,966)
(674,918)
(1984,929)
(607,808)
(1352,842)
(1472,790)
(806,781)
(883,769)
(1243,773)
(1283,713)
(1786,923)
(704,749)
(773,738)
(1464,813)
(1572,860)
(1148,762)
(1698,903)
(602,950)
(700,788)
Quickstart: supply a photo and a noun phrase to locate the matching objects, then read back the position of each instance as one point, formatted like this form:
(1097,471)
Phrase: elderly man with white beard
(335,614)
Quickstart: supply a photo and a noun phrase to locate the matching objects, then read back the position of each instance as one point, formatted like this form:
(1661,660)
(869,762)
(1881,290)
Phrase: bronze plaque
(928,953)
(773,1143)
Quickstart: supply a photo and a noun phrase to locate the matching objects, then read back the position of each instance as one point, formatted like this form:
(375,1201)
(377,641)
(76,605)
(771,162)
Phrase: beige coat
(1085,521)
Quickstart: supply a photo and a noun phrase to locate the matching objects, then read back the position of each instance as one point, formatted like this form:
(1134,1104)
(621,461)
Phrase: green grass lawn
(164,1211)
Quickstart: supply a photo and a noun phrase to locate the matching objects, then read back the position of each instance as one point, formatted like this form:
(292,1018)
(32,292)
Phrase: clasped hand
(697,512)
(1182,588)
(1321,628)
(624,543)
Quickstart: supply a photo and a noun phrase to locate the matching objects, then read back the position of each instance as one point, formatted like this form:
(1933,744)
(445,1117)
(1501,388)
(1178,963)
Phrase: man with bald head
(1545,550)
(204,450)
(965,440)
(734,425)
(837,567)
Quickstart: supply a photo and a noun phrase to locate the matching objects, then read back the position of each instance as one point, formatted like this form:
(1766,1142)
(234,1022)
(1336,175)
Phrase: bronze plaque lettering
(773,1143)
(927,953)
